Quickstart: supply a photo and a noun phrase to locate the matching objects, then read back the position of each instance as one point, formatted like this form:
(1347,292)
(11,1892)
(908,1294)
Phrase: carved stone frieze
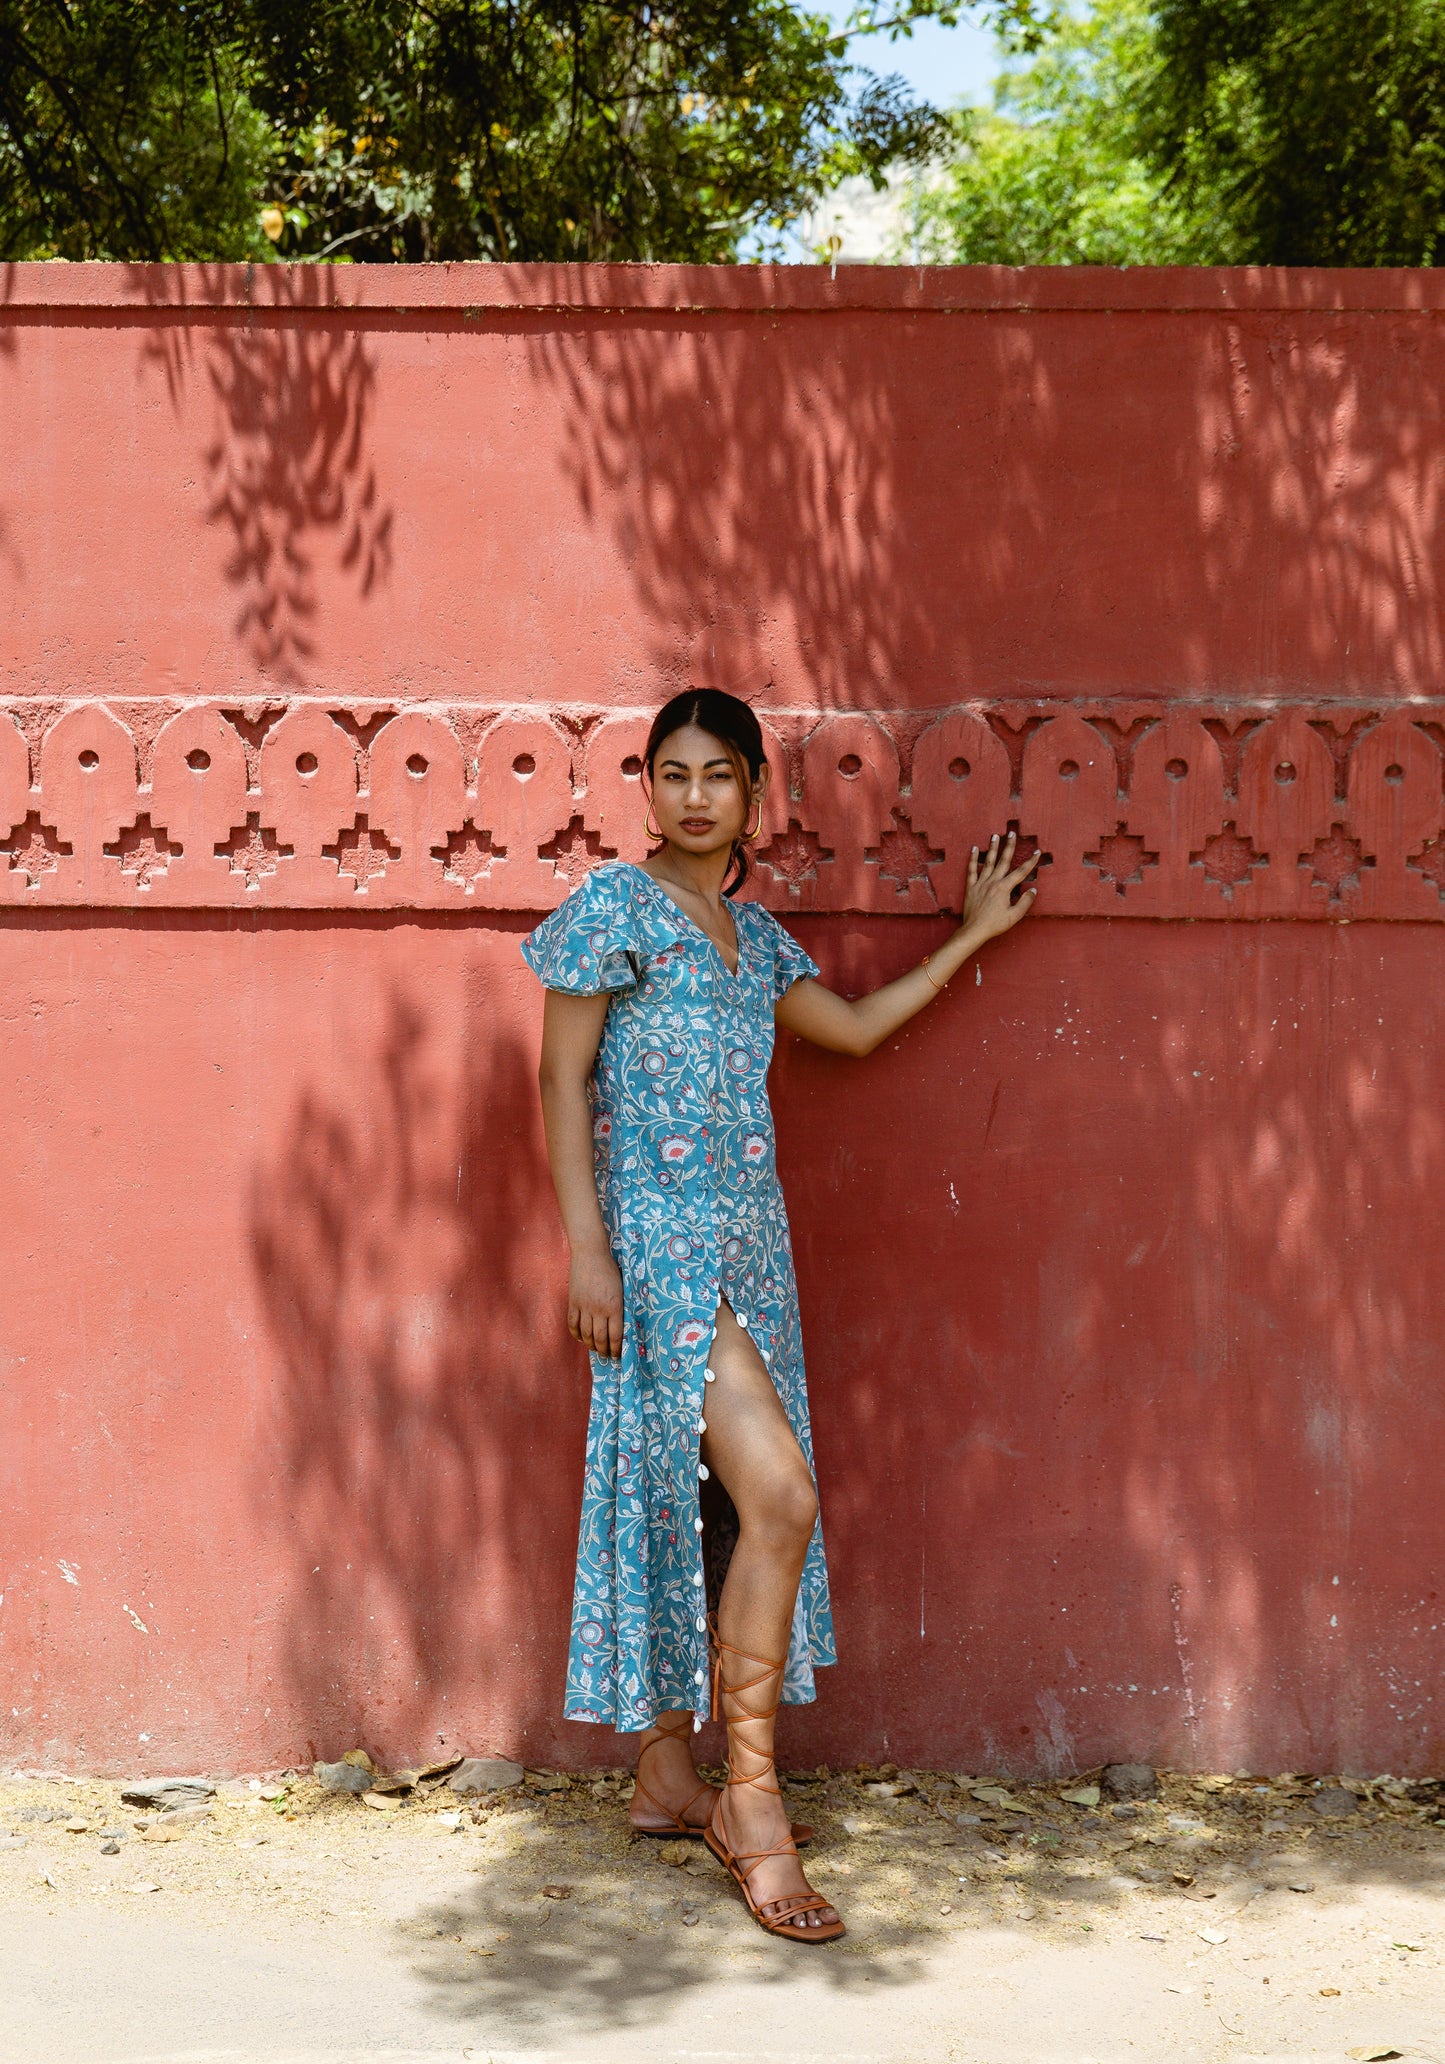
(1162,810)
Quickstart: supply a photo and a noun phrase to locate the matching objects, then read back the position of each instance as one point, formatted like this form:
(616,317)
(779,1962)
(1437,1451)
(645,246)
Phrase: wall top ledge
(471,289)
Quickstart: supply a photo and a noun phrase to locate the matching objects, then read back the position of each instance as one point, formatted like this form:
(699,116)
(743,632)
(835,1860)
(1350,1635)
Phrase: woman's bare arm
(856,1025)
(571,1032)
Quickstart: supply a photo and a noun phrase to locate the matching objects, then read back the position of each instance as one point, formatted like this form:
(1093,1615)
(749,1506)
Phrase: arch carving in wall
(1159,810)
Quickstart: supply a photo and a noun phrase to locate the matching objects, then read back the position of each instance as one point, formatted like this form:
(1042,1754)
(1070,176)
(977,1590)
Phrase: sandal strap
(792,1905)
(683,1733)
(746,1715)
(679,1820)
(736,1858)
(753,1857)
(796,1903)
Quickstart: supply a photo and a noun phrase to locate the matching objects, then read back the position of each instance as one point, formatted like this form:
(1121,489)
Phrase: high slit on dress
(687,1180)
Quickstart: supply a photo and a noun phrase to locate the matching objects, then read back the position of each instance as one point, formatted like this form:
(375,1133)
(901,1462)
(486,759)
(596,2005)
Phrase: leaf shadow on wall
(10,559)
(288,468)
(1317,493)
(865,509)
(773,493)
(417,1443)
(1145,1269)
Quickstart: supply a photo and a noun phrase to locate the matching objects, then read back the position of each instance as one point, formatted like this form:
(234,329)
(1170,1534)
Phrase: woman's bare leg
(751,1447)
(669,1775)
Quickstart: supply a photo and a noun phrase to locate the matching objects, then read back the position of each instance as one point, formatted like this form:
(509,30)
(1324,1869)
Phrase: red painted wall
(1117,1269)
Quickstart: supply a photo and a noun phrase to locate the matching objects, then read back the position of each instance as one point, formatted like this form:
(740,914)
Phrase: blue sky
(941,65)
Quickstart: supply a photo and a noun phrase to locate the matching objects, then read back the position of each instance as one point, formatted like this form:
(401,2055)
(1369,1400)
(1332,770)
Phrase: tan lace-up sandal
(784,1915)
(673,1826)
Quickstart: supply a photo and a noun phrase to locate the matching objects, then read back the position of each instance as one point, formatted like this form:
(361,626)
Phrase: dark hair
(735,727)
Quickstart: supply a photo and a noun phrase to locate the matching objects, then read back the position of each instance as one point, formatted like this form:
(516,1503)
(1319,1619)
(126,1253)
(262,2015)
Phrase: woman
(662,996)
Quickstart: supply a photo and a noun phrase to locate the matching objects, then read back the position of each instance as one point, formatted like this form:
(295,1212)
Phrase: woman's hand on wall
(990,906)
(994,902)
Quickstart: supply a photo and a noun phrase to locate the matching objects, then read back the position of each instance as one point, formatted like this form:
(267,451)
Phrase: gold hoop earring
(750,836)
(649,829)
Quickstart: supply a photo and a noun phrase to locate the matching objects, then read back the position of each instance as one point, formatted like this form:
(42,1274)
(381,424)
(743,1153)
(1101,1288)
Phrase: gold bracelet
(939,986)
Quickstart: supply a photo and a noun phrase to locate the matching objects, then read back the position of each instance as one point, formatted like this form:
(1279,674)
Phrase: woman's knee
(785,1509)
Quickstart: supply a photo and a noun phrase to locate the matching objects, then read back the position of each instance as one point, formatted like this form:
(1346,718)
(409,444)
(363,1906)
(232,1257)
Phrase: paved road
(305,1928)
(143,1986)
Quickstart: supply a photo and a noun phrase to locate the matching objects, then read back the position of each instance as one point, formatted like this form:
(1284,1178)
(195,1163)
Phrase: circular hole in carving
(524,766)
(850,766)
(1176,769)
(198,760)
(1394,774)
(959,769)
(632,767)
(306,763)
(1285,773)
(1068,769)
(417,765)
(89,760)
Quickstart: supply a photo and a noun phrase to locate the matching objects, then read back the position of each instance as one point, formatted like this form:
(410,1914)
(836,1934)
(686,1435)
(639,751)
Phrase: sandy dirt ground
(990,1923)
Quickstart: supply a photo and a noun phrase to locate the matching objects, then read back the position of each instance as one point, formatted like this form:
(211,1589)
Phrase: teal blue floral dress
(688,1184)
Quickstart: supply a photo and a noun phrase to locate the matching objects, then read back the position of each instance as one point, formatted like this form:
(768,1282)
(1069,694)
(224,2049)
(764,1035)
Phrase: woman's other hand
(594,1301)
(990,907)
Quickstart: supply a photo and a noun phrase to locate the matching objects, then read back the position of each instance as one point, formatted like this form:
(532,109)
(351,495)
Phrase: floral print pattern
(687,1179)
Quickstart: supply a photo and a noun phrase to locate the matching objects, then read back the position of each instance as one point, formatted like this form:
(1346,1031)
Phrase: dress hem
(807,1698)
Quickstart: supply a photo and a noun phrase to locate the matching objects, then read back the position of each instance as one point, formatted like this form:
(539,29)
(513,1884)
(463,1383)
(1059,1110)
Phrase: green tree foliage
(382,129)
(1272,132)
(1318,126)
(1020,25)
(1057,172)
(125,131)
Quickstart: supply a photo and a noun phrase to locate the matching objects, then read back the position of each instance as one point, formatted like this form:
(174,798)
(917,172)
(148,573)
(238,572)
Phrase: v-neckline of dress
(733,974)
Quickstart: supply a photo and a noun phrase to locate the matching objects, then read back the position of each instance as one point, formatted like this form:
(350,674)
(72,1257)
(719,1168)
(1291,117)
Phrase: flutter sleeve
(789,962)
(583,947)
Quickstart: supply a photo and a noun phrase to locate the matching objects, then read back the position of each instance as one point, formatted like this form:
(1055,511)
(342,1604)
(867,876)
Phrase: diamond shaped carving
(1430,861)
(903,856)
(467,857)
(1337,862)
(253,852)
(1122,858)
(362,853)
(34,850)
(575,851)
(794,857)
(143,851)
(1228,859)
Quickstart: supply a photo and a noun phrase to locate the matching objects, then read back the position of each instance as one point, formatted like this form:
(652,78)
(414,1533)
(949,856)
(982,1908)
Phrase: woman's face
(698,803)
